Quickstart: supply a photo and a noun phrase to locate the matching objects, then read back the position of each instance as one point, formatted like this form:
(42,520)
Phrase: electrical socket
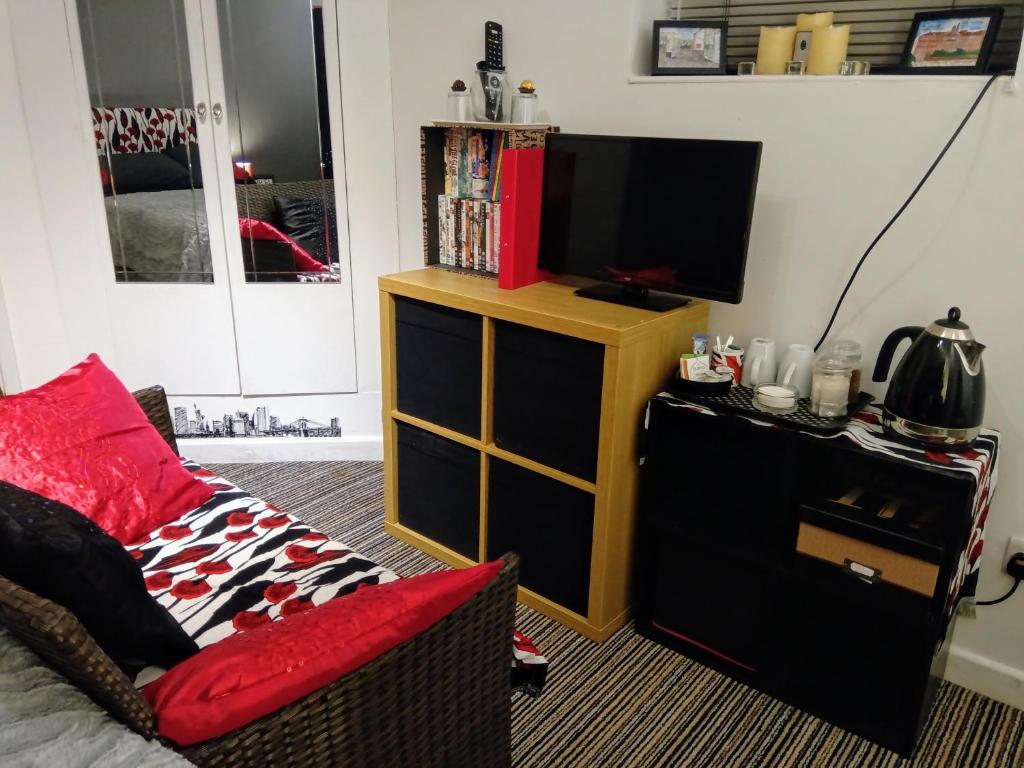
(1013,546)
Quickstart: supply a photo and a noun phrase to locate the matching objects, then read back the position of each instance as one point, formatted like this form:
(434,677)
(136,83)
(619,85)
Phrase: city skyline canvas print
(191,421)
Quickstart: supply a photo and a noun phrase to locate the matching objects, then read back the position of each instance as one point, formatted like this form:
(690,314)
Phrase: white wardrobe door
(292,337)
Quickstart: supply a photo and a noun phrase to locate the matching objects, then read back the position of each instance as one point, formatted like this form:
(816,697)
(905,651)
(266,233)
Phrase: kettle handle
(892,341)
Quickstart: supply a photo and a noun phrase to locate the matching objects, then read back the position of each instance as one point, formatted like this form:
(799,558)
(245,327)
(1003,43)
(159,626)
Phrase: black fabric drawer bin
(439,489)
(547,397)
(865,656)
(550,526)
(711,602)
(439,353)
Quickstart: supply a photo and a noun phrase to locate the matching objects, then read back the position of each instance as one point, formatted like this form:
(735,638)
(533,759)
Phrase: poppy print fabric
(131,130)
(237,563)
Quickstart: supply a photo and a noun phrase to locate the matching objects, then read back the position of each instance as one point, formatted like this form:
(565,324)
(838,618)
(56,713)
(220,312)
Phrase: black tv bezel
(730,297)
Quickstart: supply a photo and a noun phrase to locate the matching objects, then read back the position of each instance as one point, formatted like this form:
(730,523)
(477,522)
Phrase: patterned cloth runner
(237,562)
(980,461)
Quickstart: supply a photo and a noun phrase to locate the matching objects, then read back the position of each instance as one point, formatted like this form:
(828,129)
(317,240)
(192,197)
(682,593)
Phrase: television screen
(665,214)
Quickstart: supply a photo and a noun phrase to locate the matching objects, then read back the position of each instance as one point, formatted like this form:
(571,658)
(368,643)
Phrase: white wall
(838,159)
(51,323)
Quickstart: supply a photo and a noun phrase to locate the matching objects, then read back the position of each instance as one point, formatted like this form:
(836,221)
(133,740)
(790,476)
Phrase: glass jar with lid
(830,386)
(850,350)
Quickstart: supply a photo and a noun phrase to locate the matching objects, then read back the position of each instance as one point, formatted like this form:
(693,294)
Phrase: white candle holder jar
(830,386)
(460,106)
(524,107)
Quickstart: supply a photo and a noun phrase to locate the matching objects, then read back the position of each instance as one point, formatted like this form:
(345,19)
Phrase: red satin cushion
(251,674)
(82,440)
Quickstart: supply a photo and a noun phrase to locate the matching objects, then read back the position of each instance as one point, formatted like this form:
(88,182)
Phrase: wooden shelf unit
(603,361)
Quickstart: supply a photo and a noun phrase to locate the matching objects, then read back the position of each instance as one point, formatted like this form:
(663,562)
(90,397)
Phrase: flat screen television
(646,214)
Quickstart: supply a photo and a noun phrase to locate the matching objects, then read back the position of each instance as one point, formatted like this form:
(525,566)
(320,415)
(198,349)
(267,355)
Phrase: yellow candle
(774,49)
(828,48)
(805,22)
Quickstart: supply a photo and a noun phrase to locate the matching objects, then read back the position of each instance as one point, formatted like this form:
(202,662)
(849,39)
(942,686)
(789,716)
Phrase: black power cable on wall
(906,203)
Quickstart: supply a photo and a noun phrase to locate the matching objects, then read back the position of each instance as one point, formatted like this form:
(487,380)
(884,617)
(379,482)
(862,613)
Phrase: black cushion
(147,172)
(312,222)
(52,550)
(180,153)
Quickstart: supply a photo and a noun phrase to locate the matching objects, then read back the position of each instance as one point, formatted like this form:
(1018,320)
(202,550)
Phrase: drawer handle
(863,572)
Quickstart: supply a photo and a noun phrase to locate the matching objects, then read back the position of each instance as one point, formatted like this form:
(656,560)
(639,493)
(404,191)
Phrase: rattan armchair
(441,699)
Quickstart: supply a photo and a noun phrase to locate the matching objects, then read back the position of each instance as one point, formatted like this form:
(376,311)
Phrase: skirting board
(985,676)
(253,450)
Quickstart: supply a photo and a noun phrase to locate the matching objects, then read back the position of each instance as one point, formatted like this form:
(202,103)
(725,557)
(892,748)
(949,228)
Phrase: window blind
(878,30)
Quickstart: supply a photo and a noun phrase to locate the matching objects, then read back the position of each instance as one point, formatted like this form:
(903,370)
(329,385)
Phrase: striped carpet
(628,701)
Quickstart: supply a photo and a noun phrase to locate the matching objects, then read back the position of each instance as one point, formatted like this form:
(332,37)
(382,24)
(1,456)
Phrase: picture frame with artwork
(953,41)
(689,47)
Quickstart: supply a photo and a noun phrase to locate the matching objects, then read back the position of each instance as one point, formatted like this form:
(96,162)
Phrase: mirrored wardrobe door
(276,73)
(148,101)
(147,140)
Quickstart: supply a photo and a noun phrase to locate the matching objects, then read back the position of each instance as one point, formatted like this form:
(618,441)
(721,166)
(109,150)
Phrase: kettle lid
(951,327)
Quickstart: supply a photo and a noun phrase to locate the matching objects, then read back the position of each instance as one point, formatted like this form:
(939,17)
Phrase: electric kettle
(937,395)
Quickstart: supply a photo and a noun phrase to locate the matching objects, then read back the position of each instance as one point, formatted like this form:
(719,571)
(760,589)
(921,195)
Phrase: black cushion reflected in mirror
(146,172)
(312,222)
(180,153)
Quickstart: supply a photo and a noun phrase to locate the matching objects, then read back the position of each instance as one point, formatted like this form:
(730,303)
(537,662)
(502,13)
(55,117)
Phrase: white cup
(797,367)
(759,365)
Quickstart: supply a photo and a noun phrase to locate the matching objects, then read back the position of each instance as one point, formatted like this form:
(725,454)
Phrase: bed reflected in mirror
(146,142)
(277,115)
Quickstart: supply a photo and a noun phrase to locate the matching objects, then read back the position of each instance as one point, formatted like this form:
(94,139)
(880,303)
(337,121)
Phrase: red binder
(522,173)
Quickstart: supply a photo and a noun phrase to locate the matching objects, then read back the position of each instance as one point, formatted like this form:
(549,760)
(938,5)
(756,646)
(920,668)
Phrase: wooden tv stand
(511,422)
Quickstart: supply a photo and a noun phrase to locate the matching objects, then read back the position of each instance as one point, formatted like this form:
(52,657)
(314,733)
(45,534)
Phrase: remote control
(494,45)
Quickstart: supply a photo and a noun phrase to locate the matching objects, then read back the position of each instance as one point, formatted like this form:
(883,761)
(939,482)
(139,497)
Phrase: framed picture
(952,41)
(691,47)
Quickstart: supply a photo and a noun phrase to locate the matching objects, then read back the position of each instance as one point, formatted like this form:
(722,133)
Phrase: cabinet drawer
(439,489)
(547,397)
(862,656)
(438,356)
(549,525)
(867,560)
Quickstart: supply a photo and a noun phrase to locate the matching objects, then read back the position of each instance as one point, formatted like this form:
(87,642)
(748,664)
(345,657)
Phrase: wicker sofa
(442,698)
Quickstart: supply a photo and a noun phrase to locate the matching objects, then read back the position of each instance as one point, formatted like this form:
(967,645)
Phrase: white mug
(759,366)
(797,366)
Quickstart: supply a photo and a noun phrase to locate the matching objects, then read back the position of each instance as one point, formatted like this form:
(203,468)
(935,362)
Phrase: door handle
(218,112)
(201,111)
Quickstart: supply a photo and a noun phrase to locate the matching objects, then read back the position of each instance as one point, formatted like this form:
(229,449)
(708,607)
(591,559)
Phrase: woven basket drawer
(868,561)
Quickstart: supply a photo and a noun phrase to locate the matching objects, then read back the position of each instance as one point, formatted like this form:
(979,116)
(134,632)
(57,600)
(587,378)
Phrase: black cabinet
(811,568)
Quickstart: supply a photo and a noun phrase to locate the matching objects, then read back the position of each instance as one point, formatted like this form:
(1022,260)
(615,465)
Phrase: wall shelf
(803,79)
